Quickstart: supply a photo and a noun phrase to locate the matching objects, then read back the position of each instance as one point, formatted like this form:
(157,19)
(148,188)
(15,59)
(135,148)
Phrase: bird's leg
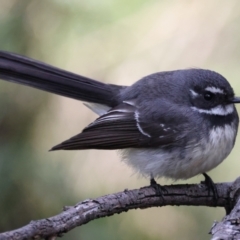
(158,188)
(211,186)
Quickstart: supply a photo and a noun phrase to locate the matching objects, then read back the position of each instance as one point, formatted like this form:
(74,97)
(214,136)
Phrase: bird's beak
(235,100)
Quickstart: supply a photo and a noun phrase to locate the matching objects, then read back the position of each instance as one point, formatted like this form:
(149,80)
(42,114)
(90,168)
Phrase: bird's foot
(211,187)
(158,188)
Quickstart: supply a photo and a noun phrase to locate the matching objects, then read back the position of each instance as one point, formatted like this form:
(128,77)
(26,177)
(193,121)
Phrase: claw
(211,186)
(158,188)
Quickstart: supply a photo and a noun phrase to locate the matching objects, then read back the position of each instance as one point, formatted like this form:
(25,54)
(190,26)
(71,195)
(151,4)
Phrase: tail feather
(18,69)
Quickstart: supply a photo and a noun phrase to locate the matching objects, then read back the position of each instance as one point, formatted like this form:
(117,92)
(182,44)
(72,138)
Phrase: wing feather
(111,131)
(124,127)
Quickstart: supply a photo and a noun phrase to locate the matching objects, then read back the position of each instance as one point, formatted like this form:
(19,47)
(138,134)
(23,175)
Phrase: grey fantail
(174,124)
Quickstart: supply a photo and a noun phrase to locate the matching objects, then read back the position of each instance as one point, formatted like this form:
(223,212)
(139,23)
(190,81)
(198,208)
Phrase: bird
(173,124)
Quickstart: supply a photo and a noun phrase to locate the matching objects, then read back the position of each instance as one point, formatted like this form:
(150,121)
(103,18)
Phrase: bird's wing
(123,127)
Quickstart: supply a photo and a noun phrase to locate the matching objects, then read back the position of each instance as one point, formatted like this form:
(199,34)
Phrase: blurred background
(116,42)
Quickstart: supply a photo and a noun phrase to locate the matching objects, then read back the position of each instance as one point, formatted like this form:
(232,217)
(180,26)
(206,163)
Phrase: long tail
(26,71)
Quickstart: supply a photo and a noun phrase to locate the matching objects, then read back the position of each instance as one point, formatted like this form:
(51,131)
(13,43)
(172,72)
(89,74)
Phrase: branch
(229,228)
(146,197)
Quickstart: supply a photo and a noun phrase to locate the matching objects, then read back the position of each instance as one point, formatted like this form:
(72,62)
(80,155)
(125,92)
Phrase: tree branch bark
(229,227)
(146,197)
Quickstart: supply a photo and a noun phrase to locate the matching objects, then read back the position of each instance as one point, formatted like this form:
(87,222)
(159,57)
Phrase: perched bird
(174,124)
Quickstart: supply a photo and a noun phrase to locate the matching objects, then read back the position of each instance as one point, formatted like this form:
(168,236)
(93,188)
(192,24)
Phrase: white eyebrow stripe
(218,110)
(214,90)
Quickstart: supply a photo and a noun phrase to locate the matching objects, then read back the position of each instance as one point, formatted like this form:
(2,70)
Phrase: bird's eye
(208,96)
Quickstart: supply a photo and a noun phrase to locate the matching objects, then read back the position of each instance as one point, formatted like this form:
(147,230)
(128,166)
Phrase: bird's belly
(182,163)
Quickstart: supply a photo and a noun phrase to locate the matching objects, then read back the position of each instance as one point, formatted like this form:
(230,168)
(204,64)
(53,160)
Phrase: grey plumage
(175,124)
